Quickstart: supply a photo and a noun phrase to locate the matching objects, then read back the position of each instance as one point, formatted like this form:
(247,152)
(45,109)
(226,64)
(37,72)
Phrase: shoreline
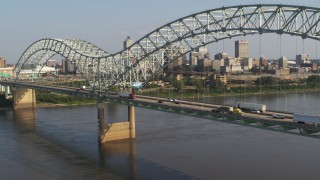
(47,105)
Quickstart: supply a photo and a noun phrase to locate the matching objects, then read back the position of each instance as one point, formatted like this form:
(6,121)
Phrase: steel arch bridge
(151,53)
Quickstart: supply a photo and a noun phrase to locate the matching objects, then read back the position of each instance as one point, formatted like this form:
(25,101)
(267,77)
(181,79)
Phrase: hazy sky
(106,23)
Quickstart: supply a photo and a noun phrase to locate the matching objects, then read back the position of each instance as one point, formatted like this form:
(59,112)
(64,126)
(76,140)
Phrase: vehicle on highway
(174,100)
(237,111)
(125,94)
(81,88)
(132,96)
(305,118)
(251,106)
(256,111)
(223,109)
(177,102)
(278,116)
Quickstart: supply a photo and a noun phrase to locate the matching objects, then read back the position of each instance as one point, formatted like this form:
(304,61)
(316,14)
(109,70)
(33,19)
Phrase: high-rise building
(302,59)
(199,53)
(3,63)
(68,66)
(263,61)
(241,48)
(220,56)
(247,62)
(283,62)
(127,43)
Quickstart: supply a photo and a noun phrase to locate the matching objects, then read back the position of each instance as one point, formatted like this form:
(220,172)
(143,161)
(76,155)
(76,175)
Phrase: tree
(255,70)
(267,80)
(178,85)
(217,84)
(313,80)
(198,84)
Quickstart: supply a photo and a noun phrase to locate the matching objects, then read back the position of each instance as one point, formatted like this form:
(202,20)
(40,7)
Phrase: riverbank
(48,105)
(45,99)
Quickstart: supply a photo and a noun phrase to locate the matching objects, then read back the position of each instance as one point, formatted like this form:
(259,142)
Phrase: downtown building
(3,63)
(241,48)
(302,59)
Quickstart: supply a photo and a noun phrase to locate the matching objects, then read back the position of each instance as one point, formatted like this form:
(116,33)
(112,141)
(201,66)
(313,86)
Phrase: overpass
(150,54)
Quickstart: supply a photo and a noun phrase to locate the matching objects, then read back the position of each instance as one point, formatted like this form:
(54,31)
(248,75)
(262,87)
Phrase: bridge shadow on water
(120,157)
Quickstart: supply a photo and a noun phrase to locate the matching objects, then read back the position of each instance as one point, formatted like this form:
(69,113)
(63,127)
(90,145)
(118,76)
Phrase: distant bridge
(151,53)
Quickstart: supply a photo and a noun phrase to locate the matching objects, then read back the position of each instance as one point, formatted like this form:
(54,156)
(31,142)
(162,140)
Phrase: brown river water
(62,143)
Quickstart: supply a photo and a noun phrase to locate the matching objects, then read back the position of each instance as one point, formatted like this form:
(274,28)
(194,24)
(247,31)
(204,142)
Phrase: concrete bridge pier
(23,98)
(7,91)
(116,131)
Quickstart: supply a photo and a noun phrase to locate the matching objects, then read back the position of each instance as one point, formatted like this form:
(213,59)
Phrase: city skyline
(107,25)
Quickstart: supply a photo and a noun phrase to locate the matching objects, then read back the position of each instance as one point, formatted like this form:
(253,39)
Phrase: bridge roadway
(197,109)
(211,107)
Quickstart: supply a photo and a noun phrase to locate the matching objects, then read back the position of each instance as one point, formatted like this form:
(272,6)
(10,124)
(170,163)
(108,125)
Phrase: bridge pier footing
(24,98)
(116,131)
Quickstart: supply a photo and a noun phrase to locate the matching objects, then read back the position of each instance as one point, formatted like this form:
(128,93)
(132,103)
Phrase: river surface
(62,143)
(297,102)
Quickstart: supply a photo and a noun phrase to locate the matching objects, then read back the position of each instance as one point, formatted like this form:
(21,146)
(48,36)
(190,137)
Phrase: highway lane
(267,115)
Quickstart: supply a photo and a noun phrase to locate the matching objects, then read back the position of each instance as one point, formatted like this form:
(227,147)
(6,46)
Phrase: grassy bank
(49,99)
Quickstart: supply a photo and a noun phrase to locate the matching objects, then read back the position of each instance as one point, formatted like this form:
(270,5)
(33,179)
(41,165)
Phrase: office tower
(283,62)
(241,48)
(302,59)
(3,63)
(127,43)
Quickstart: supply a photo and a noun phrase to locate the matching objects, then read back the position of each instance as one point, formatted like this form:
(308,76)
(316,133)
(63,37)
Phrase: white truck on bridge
(252,106)
(126,94)
(303,118)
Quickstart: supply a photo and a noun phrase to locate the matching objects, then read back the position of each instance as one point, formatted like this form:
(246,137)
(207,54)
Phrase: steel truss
(152,52)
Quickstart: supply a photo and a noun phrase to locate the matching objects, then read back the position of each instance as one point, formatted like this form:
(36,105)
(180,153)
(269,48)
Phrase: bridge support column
(24,98)
(132,121)
(100,106)
(117,131)
(2,89)
(7,91)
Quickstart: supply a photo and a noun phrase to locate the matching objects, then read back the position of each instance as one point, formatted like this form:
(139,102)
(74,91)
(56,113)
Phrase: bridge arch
(78,52)
(154,51)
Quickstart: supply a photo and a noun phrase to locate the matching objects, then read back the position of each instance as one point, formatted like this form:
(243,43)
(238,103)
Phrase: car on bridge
(278,116)
(174,100)
(255,111)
